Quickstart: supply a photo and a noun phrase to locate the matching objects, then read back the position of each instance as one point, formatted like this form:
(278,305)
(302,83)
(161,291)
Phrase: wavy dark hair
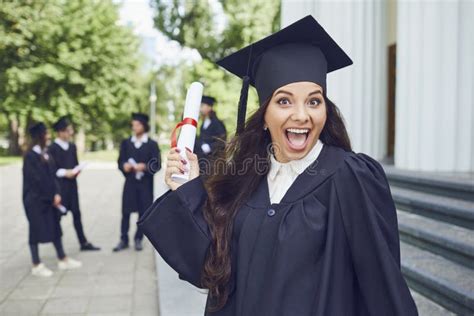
(39,139)
(228,190)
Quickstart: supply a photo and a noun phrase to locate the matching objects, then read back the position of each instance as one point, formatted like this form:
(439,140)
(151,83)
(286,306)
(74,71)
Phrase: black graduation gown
(330,247)
(138,194)
(66,159)
(214,135)
(39,188)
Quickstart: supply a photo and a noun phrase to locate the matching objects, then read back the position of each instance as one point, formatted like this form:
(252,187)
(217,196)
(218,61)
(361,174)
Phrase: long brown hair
(41,140)
(231,183)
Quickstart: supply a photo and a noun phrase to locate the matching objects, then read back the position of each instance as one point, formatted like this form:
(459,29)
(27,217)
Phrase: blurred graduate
(64,153)
(42,200)
(139,159)
(213,134)
(309,227)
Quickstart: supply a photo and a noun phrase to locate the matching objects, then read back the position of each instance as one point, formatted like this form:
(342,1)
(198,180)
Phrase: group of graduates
(50,188)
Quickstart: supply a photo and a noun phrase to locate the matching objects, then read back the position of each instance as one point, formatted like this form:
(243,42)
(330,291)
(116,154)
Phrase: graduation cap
(302,51)
(61,123)
(208,100)
(141,117)
(37,129)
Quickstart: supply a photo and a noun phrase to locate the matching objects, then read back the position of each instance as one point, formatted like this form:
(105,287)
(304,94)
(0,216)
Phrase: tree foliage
(216,29)
(198,24)
(67,57)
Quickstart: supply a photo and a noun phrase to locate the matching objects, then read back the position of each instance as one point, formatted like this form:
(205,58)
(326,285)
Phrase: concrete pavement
(108,283)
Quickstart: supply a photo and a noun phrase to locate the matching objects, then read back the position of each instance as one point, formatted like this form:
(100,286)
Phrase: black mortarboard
(208,100)
(37,129)
(302,51)
(61,123)
(141,117)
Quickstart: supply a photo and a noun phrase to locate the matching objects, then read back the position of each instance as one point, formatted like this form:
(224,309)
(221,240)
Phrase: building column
(434,96)
(360,91)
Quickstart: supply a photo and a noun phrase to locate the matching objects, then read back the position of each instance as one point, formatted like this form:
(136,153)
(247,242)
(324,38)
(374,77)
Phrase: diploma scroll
(138,174)
(188,126)
(79,167)
(62,209)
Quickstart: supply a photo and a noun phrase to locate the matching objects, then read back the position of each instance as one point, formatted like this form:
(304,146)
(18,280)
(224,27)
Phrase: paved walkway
(108,283)
(177,297)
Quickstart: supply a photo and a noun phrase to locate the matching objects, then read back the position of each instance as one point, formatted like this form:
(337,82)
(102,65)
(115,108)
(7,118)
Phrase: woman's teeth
(297,136)
(298,130)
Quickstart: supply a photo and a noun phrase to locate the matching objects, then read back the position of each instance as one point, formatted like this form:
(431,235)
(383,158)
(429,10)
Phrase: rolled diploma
(62,208)
(187,134)
(79,167)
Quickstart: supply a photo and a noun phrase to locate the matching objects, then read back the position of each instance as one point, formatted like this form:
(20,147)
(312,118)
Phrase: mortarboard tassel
(242,108)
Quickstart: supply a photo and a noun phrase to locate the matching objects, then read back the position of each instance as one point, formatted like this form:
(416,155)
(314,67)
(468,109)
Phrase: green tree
(197,25)
(214,33)
(67,57)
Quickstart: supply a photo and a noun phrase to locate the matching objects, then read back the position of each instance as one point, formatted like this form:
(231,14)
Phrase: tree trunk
(14,148)
(80,140)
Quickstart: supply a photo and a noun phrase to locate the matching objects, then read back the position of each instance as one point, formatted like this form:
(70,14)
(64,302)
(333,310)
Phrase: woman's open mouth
(297,138)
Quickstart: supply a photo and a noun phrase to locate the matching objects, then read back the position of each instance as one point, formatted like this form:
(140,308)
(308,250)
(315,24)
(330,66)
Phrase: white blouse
(138,142)
(282,175)
(63,144)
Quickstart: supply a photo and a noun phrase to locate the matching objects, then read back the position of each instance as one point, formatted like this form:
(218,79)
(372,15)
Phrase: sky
(139,15)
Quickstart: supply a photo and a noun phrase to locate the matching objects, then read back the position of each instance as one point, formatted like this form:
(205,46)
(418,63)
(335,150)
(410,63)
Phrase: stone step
(454,211)
(454,185)
(449,284)
(427,307)
(452,242)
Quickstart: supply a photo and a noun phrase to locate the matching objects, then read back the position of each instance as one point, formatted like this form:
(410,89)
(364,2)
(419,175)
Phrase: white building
(410,93)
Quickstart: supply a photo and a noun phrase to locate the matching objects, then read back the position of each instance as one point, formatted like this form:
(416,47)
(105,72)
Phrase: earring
(265,128)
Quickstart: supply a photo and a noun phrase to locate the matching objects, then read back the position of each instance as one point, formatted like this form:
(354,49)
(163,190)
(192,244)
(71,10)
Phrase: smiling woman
(309,227)
(295,117)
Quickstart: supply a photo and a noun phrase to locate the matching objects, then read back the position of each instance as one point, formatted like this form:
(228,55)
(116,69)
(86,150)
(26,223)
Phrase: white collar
(62,143)
(298,165)
(37,149)
(143,139)
(207,122)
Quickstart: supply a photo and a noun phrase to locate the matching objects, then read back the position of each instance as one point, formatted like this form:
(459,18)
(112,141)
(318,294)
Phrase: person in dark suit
(213,133)
(139,160)
(64,154)
(41,200)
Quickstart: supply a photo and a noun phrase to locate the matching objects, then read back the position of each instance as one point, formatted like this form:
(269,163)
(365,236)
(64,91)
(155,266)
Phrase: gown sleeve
(370,223)
(219,137)
(122,158)
(175,226)
(74,150)
(52,170)
(154,164)
(34,188)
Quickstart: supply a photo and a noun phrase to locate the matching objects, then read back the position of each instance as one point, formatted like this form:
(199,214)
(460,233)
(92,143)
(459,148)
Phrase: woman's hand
(57,200)
(176,164)
(141,167)
(70,174)
(127,167)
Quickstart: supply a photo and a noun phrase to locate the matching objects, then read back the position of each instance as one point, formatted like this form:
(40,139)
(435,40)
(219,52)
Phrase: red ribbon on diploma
(187,120)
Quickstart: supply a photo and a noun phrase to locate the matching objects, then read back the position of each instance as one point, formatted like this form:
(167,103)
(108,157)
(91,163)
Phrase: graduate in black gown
(309,227)
(64,154)
(139,159)
(41,199)
(212,135)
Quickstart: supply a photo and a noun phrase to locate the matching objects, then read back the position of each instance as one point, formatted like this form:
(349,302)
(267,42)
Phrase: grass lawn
(101,155)
(6,160)
(112,155)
